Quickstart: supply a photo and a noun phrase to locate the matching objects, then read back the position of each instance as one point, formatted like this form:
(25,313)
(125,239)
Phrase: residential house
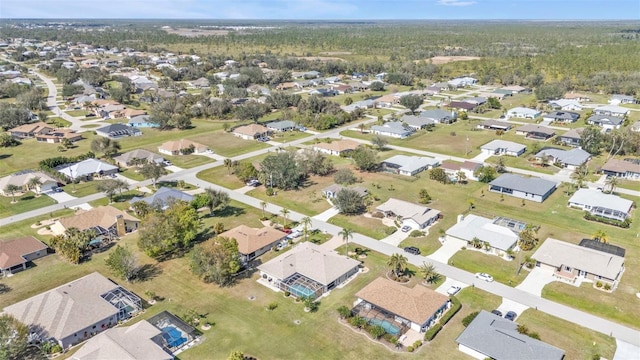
(141,340)
(503,147)
(128,113)
(611,110)
(501,93)
(623,169)
(385,301)
(566,117)
(500,239)
(387,100)
(362,104)
(142,121)
(523,113)
(440,87)
(440,116)
(199,83)
(408,165)
(499,96)
(342,89)
(137,157)
(307,270)
(87,169)
(536,132)
(566,105)
(618,99)
(461,105)
(416,122)
(182,147)
(462,82)
(115,131)
(27,131)
(331,191)
(105,220)
(282,125)
(570,159)
(16,254)
(573,263)
(252,132)
(516,89)
(577,96)
(606,122)
(74,312)
(323,92)
(23,178)
(528,188)
(478,100)
(413,215)
(253,242)
(452,168)
(163,198)
(490,336)
(311,74)
(600,204)
(337,147)
(58,135)
(494,125)
(571,137)
(393,129)
(285,86)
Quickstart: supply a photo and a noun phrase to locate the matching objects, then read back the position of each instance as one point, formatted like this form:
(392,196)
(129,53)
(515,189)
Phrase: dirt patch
(333,53)
(320,58)
(439,60)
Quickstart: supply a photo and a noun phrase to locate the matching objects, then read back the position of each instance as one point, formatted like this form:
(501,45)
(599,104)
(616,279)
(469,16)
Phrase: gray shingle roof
(595,198)
(163,197)
(575,156)
(605,120)
(531,185)
(394,127)
(411,163)
(484,229)
(503,144)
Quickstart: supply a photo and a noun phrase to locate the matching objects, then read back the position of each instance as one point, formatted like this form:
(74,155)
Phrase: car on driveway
(453,289)
(484,276)
(510,315)
(497,312)
(412,250)
(58,189)
(405,228)
(253,183)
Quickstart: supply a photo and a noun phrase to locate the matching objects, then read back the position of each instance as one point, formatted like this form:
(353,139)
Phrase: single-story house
(199,83)
(331,191)
(408,165)
(137,157)
(251,132)
(570,159)
(128,113)
(15,254)
(528,188)
(440,116)
(27,131)
(337,147)
(490,336)
(600,204)
(516,89)
(462,81)
(461,105)
(76,311)
(142,121)
(523,113)
(393,129)
(115,131)
(281,126)
(362,104)
(571,137)
(451,168)
(566,104)
(179,147)
(387,100)
(87,169)
(416,122)
(503,147)
(623,169)
(417,308)
(501,239)
(253,242)
(571,261)
(494,125)
(58,135)
(163,198)
(414,215)
(22,180)
(141,340)
(501,93)
(323,92)
(618,99)
(478,100)
(536,132)
(606,122)
(577,96)
(308,270)
(561,117)
(611,110)
(105,220)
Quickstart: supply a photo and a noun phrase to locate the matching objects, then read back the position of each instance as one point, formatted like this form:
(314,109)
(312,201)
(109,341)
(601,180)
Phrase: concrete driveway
(536,280)
(60,197)
(327,214)
(173,168)
(396,238)
(510,305)
(442,289)
(448,249)
(626,351)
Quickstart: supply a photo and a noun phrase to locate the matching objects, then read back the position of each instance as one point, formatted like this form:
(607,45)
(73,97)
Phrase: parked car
(294,234)
(58,189)
(497,312)
(253,183)
(510,315)
(166,163)
(412,250)
(453,290)
(484,276)
(405,228)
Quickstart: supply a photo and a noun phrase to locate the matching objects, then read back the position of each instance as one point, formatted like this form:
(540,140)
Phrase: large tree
(251,111)
(314,162)
(281,170)
(123,262)
(379,142)
(344,176)
(397,263)
(217,199)
(152,171)
(528,238)
(349,202)
(592,140)
(411,102)
(366,159)
(105,145)
(173,230)
(216,260)
(12,189)
(439,175)
(485,173)
(72,244)
(14,338)
(12,115)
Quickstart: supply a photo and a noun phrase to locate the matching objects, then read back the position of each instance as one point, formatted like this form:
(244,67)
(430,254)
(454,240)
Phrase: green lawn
(221,176)
(523,163)
(427,245)
(371,227)
(228,145)
(502,271)
(132,174)
(76,113)
(82,189)
(24,203)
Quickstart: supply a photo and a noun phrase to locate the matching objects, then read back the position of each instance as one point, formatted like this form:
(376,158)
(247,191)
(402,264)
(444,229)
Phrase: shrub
(456,306)
(417,344)
(607,287)
(390,230)
(410,348)
(623,224)
(534,335)
(377,215)
(469,318)
(416,233)
(599,284)
(432,332)
(269,191)
(55,349)
(286,294)
(272,306)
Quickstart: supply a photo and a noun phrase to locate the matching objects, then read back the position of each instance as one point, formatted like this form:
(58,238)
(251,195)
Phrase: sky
(323,9)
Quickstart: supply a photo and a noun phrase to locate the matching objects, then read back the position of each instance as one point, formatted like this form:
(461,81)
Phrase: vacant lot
(24,203)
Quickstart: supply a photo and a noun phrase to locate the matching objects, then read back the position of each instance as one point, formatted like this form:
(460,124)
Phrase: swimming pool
(386,325)
(173,336)
(301,291)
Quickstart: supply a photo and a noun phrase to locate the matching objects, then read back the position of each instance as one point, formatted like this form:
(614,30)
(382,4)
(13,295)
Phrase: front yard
(502,271)
(24,203)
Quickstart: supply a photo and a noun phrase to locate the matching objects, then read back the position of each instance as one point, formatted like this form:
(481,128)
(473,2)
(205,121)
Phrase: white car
(484,276)
(453,290)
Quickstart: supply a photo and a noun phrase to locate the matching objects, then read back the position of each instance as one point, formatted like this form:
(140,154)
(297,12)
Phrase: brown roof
(621,166)
(129,113)
(251,130)
(60,133)
(32,128)
(571,95)
(103,216)
(416,304)
(339,145)
(181,144)
(252,239)
(101,102)
(12,251)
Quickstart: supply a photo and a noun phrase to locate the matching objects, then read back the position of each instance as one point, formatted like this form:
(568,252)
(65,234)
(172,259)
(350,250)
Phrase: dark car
(497,312)
(510,315)
(412,250)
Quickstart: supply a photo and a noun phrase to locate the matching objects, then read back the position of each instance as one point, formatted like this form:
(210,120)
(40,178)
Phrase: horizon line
(258,19)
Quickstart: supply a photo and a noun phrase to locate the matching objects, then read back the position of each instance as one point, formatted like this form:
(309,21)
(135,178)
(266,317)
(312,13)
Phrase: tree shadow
(4,289)
(229,211)
(147,272)
(26,197)
(4,156)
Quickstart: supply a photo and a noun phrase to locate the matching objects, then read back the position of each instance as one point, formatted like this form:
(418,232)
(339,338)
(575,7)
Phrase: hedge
(623,224)
(454,310)
(432,332)
(469,318)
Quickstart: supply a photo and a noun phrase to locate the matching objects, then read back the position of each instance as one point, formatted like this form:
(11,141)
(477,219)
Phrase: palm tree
(263,205)
(362,126)
(285,214)
(397,263)
(579,175)
(12,189)
(600,236)
(476,243)
(346,234)
(306,223)
(428,271)
(227,164)
(612,182)
(34,183)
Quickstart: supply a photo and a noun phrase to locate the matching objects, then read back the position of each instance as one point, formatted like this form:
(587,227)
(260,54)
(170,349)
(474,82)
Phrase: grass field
(24,203)
(502,271)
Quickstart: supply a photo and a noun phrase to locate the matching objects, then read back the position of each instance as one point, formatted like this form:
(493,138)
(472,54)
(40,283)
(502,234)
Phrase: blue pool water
(387,326)
(173,336)
(301,291)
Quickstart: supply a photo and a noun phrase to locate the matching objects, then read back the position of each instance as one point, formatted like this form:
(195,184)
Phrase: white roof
(612,109)
(86,167)
(523,110)
(484,229)
(503,144)
(411,163)
(407,210)
(597,198)
(566,102)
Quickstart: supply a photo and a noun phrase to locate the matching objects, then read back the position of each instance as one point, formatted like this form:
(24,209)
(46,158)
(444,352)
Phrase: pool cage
(125,301)
(514,225)
(175,332)
(391,323)
(301,286)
